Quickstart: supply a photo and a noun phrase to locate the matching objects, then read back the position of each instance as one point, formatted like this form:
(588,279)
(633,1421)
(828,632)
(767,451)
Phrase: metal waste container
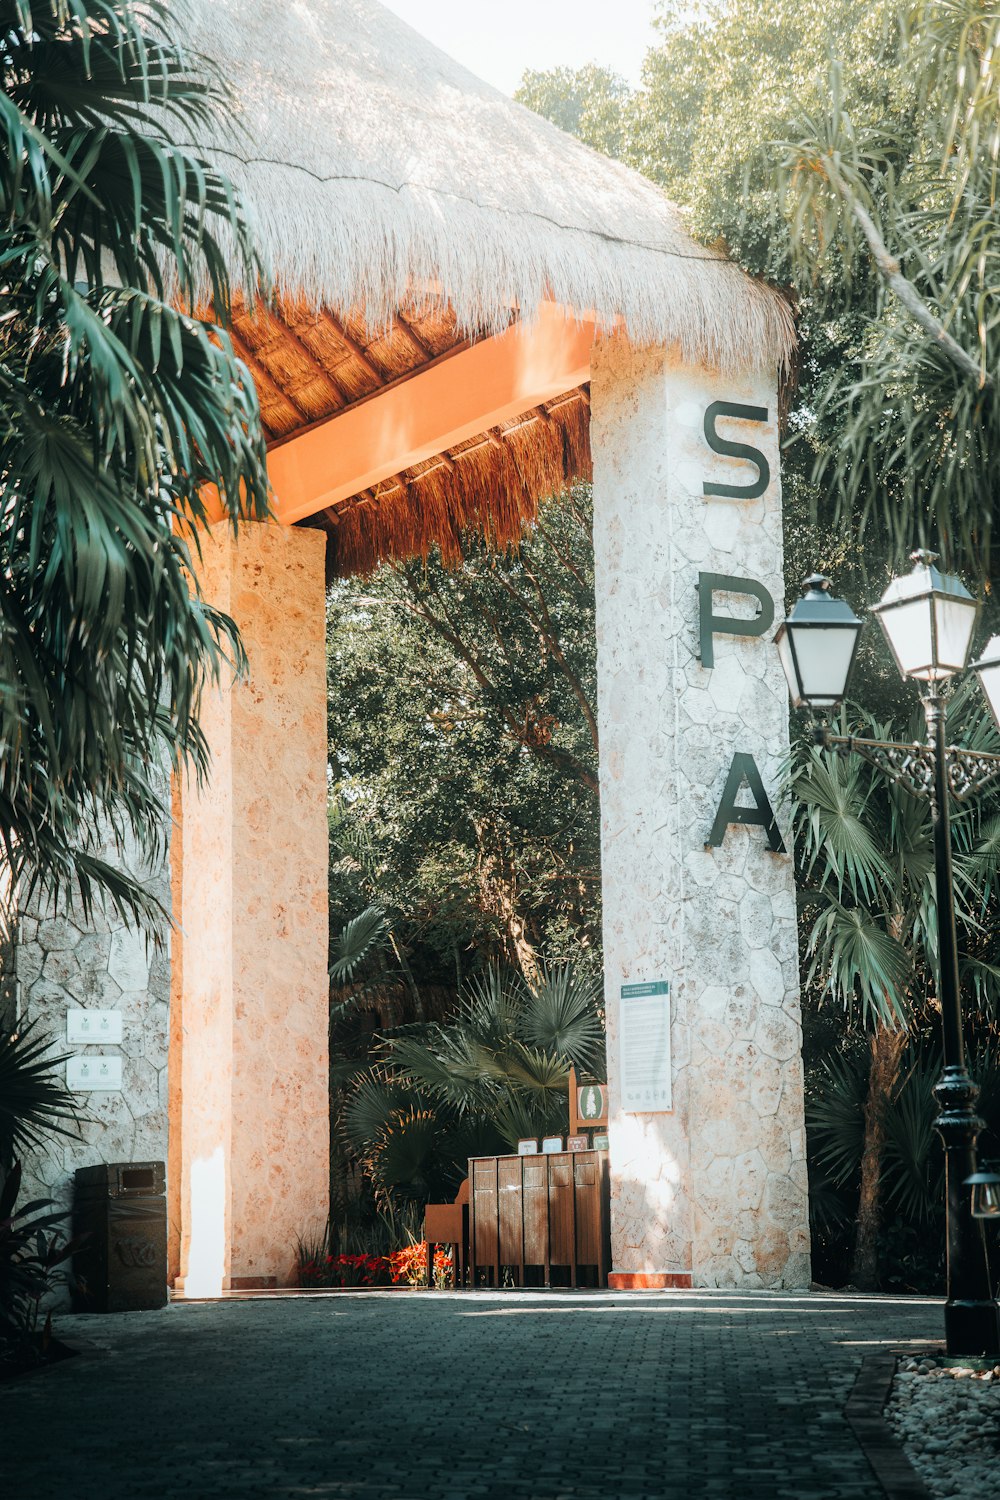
(122,1209)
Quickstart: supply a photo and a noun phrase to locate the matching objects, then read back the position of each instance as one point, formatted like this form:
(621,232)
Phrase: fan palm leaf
(855,957)
(912,1165)
(119,408)
(560,1016)
(356,942)
(33,1101)
(376,1097)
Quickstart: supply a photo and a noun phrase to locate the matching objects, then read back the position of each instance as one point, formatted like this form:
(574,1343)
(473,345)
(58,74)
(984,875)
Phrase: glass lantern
(928,618)
(985,1185)
(988,667)
(817,645)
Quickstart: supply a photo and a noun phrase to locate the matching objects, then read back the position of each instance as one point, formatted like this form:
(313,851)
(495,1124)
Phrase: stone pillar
(713,1192)
(250,1160)
(64,962)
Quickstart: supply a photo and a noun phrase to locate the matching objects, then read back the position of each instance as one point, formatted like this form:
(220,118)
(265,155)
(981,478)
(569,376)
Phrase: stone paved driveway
(432,1396)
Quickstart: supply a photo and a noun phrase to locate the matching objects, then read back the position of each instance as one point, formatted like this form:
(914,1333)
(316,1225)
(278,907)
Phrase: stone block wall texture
(66,963)
(250,1150)
(717,1187)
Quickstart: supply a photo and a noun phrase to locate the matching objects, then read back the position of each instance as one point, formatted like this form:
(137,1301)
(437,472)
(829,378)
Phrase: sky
(498,41)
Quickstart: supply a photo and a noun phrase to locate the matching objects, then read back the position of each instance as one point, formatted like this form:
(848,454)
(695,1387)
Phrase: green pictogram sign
(592,1102)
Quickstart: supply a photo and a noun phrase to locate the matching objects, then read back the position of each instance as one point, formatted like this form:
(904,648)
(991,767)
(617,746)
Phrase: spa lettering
(743,773)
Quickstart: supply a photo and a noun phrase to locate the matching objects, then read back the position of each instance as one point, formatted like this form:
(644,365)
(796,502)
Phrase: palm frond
(857,960)
(835,1117)
(33,1100)
(560,1016)
(356,942)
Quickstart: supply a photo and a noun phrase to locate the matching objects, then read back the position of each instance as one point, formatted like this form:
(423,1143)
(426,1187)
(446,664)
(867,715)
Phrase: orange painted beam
(493,381)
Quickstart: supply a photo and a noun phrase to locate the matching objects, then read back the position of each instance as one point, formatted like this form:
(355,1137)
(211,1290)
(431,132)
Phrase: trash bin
(122,1209)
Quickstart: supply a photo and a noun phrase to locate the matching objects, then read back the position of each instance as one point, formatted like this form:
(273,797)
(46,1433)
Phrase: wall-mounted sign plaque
(99,1026)
(95,1073)
(644,1047)
(527,1148)
(551,1144)
(592,1102)
(577,1143)
(602,1142)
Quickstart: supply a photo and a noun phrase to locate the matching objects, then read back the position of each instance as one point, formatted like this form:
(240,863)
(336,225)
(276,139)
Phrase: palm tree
(118,406)
(478,1083)
(866,878)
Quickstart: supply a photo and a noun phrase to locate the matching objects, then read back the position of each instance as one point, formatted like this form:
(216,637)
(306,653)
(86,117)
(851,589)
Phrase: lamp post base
(972,1328)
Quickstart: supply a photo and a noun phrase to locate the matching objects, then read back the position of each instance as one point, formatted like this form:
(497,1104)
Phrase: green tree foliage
(463,744)
(865,862)
(118,405)
(914,409)
(591,103)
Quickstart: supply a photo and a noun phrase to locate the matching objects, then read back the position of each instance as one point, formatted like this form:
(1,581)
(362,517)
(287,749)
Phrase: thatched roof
(376,168)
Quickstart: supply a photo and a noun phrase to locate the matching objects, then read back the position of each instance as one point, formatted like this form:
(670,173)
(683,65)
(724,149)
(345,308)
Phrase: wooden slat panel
(536,1211)
(561,1237)
(587,1186)
(511,1211)
(484,1189)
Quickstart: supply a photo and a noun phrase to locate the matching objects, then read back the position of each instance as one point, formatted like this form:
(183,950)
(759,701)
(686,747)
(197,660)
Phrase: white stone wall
(64,962)
(717,1187)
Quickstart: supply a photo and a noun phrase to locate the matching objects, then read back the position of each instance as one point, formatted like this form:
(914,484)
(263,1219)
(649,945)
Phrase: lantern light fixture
(928,618)
(985,1185)
(988,670)
(817,645)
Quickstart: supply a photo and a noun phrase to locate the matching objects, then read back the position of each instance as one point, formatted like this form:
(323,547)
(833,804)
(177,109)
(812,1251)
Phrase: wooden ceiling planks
(308,365)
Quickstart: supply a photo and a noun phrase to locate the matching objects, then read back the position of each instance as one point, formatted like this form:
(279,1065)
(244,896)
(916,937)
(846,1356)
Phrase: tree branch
(448,632)
(890,272)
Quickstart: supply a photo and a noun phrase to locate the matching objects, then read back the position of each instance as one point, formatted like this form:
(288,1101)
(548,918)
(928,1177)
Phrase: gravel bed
(946,1414)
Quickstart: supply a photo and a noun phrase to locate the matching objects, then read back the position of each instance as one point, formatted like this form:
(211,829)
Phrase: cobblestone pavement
(468,1396)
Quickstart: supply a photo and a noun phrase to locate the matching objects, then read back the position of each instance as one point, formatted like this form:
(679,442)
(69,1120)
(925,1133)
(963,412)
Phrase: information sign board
(645,1047)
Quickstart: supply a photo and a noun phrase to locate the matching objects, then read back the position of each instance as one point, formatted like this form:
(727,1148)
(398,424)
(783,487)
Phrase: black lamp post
(928,618)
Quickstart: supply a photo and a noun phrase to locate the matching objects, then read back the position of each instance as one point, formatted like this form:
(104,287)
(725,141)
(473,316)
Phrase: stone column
(713,1192)
(250,1151)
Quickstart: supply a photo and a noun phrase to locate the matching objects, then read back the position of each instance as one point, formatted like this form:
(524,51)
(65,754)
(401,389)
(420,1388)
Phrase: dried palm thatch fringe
(374,169)
(490,486)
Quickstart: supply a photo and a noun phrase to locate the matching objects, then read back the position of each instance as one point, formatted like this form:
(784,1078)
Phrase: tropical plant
(31,1250)
(865,865)
(120,407)
(912,1168)
(33,1101)
(477,1083)
(894,216)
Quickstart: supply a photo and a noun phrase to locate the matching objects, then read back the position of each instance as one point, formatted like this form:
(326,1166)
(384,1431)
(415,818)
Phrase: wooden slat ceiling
(310,364)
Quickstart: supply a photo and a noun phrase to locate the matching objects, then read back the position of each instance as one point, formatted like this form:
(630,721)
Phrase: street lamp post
(928,618)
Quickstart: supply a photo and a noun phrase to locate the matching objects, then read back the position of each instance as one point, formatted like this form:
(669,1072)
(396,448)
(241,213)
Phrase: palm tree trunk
(887,1048)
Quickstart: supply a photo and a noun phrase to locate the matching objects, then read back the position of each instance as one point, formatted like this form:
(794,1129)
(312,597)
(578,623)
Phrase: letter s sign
(736,450)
